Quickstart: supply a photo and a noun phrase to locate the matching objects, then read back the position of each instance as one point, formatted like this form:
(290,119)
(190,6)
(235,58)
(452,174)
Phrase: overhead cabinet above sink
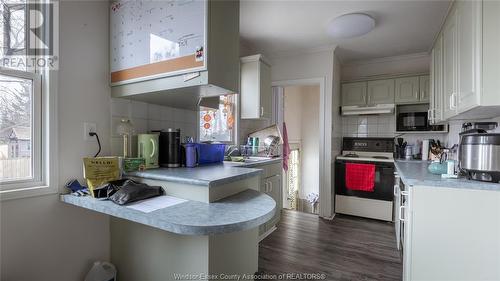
(174,52)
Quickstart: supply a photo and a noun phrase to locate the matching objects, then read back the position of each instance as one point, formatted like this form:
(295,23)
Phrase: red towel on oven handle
(360,177)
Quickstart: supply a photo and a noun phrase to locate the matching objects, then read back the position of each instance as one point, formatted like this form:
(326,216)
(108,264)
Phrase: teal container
(438,168)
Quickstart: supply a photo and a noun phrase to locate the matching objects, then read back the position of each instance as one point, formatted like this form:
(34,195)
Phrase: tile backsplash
(382,126)
(368,126)
(385,126)
(149,117)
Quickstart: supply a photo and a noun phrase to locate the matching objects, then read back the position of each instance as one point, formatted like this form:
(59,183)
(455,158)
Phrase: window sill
(27,192)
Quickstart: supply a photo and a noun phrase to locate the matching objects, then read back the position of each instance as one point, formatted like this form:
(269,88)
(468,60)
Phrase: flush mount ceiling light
(350,25)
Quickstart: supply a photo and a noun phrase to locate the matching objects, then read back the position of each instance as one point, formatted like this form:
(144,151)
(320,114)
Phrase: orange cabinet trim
(177,64)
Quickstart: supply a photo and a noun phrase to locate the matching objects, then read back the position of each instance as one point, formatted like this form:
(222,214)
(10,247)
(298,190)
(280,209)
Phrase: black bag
(126,191)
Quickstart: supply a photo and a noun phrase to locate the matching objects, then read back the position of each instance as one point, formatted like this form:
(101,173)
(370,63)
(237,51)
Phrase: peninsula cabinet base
(144,253)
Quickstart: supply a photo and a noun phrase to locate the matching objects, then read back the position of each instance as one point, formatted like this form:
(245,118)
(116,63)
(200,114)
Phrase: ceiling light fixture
(350,25)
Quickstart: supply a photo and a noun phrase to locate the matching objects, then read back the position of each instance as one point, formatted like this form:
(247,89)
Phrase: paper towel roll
(425,150)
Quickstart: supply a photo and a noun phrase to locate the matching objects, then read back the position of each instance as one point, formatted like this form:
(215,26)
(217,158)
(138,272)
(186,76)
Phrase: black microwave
(415,121)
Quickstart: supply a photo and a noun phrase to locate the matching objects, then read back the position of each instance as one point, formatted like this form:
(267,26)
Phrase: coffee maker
(170,148)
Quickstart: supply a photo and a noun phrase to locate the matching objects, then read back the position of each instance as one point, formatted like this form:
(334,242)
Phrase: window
(218,125)
(27,153)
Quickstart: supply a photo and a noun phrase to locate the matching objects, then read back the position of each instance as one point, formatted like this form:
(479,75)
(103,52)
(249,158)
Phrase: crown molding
(388,59)
(298,52)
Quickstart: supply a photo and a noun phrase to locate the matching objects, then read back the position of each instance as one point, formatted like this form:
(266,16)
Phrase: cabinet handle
(453,105)
(416,95)
(404,193)
(395,190)
(429,115)
(261,111)
(422,95)
(401,210)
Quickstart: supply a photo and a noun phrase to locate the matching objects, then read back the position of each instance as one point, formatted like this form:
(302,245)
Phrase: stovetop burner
(380,157)
(351,155)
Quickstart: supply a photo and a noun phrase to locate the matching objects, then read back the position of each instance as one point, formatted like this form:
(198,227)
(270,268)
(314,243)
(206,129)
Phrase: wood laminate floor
(345,248)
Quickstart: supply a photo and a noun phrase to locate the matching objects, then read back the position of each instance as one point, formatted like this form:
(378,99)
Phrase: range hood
(368,110)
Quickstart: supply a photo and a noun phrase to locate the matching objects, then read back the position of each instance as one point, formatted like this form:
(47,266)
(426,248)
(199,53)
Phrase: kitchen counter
(415,173)
(206,175)
(242,211)
(253,163)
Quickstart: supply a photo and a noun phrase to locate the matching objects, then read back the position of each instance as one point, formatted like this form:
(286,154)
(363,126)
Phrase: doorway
(300,112)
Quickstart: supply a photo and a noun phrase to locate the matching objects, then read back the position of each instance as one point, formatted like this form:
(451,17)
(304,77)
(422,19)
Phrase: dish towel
(286,148)
(360,177)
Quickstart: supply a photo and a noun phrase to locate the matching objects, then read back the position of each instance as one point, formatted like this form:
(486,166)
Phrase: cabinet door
(274,190)
(256,92)
(450,65)
(469,41)
(354,93)
(263,189)
(436,97)
(424,87)
(407,90)
(381,91)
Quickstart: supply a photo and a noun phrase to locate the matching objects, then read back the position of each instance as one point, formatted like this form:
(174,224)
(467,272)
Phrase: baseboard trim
(267,233)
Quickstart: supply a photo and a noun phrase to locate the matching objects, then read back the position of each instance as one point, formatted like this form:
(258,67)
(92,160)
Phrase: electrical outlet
(89,128)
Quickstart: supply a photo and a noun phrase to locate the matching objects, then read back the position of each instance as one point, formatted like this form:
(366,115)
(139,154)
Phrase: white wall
(413,63)
(308,66)
(149,117)
(302,119)
(43,239)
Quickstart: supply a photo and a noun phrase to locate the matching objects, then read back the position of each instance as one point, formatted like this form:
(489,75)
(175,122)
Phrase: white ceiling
(285,27)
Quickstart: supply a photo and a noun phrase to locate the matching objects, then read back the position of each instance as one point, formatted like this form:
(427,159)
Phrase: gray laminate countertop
(415,173)
(207,175)
(242,211)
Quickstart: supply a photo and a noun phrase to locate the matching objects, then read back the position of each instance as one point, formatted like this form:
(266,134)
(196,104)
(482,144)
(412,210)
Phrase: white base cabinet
(451,234)
(271,184)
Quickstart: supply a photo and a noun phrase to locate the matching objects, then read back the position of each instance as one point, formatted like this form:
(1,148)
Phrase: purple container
(191,155)
(210,153)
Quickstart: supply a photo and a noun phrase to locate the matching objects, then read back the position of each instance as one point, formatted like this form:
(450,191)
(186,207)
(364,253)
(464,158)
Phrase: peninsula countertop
(206,175)
(415,173)
(242,211)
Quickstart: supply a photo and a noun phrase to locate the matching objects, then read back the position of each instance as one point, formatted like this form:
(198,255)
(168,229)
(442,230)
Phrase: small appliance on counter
(170,148)
(147,148)
(479,154)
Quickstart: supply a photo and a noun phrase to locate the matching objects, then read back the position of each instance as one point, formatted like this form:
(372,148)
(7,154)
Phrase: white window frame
(44,136)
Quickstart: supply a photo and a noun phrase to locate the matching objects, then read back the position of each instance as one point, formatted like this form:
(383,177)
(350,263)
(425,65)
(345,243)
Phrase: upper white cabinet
(466,63)
(171,52)
(449,35)
(410,90)
(256,92)
(354,93)
(425,88)
(380,92)
(435,113)
(368,93)
(407,90)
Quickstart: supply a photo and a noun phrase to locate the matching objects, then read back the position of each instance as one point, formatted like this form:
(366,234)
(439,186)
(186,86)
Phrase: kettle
(147,148)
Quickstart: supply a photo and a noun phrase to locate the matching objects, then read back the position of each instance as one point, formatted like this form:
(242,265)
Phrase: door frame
(325,136)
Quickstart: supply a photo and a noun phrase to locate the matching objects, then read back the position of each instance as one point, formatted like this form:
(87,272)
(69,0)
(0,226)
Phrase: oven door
(384,181)
(412,121)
